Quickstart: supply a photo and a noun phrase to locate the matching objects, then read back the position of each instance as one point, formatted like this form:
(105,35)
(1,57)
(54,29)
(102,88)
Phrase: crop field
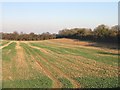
(58,63)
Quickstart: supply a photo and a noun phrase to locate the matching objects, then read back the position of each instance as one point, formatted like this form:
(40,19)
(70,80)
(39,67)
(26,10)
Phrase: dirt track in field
(6,45)
(21,64)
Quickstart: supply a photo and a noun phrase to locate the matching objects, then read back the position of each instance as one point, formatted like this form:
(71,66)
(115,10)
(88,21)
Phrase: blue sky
(54,16)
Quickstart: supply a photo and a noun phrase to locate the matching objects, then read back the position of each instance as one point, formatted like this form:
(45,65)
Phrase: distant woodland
(101,33)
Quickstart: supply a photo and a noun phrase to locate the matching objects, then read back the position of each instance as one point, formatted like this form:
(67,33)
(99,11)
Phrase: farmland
(58,63)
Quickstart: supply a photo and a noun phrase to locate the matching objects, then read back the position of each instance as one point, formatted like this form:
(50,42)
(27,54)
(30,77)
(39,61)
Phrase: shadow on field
(104,45)
(99,44)
(107,53)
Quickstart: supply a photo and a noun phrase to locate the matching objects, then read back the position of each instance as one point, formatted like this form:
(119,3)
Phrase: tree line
(101,33)
(27,37)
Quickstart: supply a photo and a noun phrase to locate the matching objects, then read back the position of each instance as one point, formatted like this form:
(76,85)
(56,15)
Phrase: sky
(39,17)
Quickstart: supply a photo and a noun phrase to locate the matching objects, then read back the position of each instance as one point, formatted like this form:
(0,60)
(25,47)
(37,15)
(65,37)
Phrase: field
(58,63)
